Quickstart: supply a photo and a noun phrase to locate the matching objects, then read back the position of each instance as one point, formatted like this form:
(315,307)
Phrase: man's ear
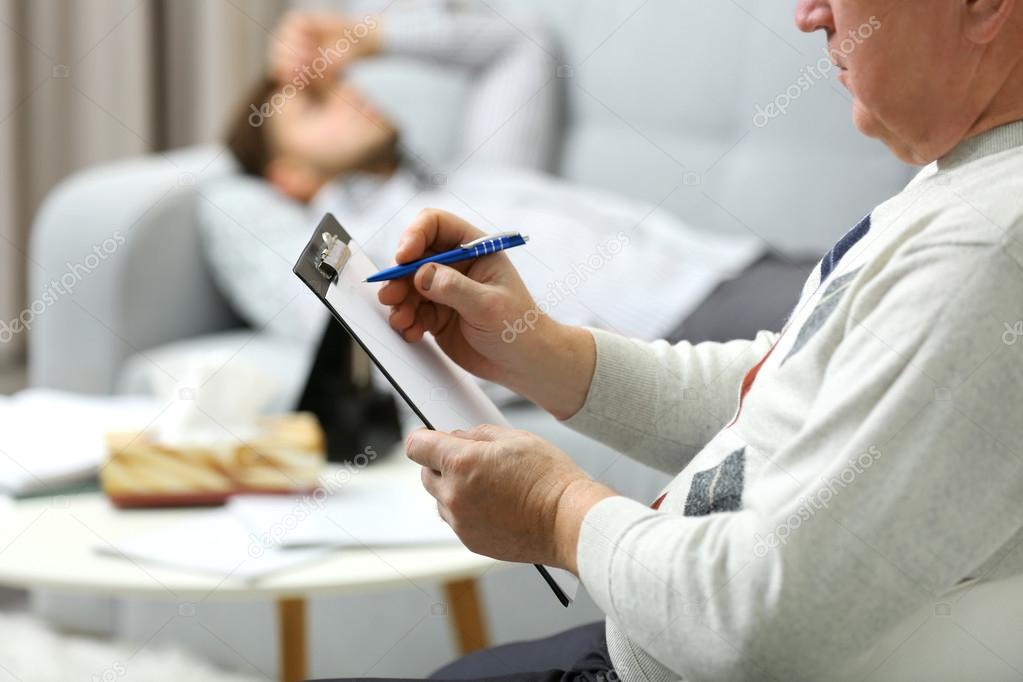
(294,179)
(985,19)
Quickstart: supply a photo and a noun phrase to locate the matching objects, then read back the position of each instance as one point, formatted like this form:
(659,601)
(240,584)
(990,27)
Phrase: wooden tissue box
(286,457)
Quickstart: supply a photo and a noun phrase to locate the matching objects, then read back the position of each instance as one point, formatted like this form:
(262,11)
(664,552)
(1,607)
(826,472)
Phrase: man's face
(333,130)
(903,62)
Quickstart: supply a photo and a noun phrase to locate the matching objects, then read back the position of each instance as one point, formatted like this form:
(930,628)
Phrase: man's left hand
(506,493)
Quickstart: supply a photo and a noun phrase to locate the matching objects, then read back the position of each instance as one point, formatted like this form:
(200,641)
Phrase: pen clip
(490,237)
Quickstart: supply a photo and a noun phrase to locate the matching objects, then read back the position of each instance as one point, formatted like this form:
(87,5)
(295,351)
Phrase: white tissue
(212,404)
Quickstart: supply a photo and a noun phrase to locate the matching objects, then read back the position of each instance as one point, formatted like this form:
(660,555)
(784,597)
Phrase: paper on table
(441,393)
(51,437)
(371,517)
(216,542)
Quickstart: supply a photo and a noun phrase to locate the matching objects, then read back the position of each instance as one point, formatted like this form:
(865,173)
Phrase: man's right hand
(483,317)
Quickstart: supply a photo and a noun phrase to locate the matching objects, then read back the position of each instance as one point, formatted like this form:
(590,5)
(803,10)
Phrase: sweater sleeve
(904,479)
(661,403)
(512,110)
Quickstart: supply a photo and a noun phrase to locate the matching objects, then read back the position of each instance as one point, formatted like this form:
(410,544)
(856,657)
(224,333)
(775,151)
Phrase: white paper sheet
(351,517)
(216,542)
(447,396)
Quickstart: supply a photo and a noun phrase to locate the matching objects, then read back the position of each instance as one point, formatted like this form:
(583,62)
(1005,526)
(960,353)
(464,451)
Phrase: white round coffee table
(50,542)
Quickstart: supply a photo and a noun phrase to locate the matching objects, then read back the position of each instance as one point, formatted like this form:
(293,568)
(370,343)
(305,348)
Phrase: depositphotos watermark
(114,671)
(316,70)
(62,286)
(1013,333)
(813,74)
(814,503)
(560,290)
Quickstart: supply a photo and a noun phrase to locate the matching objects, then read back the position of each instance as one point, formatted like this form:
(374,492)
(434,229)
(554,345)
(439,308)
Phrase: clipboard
(443,395)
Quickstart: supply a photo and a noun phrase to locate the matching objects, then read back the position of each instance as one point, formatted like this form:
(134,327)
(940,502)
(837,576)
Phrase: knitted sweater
(868,463)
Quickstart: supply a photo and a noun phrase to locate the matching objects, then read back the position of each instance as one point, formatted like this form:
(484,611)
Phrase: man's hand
(465,305)
(507,494)
(319,45)
(483,317)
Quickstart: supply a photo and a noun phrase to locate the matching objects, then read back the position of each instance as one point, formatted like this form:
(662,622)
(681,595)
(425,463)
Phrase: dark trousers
(576,655)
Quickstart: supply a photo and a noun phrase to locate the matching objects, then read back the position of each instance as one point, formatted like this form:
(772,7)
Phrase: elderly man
(833,479)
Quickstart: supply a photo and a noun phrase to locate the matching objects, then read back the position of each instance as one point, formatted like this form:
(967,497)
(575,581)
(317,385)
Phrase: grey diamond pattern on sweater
(718,489)
(829,301)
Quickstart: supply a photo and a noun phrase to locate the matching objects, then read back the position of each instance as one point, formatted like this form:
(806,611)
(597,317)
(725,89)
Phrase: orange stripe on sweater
(747,384)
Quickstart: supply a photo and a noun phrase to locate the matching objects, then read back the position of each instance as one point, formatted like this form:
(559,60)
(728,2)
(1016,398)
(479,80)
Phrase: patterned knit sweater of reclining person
(867,465)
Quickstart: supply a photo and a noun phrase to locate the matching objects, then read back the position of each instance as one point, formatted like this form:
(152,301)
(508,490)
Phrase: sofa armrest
(116,267)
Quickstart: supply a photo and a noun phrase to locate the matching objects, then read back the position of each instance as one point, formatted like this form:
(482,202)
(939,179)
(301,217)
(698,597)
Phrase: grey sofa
(665,96)
(662,102)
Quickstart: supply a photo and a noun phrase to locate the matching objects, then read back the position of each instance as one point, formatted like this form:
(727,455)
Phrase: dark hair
(247,136)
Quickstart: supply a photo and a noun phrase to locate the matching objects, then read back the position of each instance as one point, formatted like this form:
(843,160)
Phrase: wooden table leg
(467,614)
(291,629)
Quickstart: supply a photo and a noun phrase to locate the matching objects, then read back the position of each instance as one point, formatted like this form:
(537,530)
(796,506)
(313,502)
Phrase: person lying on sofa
(312,134)
(834,480)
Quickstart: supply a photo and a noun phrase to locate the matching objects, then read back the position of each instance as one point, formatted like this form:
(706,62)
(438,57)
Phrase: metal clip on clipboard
(333,257)
(324,257)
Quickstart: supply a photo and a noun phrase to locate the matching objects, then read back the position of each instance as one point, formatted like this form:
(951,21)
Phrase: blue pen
(474,249)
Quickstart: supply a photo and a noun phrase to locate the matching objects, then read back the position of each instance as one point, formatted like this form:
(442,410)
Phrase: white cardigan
(873,464)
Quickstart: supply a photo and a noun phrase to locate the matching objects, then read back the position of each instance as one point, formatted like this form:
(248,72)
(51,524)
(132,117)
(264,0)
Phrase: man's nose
(815,15)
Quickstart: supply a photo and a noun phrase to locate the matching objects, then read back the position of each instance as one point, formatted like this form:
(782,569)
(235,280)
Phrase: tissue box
(286,456)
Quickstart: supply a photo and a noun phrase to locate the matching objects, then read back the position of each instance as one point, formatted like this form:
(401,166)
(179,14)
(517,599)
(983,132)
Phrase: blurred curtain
(11,288)
(212,51)
(83,82)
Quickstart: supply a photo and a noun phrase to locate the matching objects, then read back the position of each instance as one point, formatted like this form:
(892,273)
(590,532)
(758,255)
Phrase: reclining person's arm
(512,112)
(883,500)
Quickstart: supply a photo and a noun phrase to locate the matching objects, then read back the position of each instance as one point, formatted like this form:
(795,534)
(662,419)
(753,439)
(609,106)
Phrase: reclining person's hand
(319,45)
